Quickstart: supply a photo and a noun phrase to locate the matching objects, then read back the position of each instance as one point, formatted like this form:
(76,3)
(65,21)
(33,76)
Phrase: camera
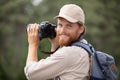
(46,30)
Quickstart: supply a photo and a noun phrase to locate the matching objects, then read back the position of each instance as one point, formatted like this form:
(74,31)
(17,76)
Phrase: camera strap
(49,52)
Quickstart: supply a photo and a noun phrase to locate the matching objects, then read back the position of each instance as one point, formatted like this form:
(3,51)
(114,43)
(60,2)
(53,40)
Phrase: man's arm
(43,68)
(33,41)
(48,68)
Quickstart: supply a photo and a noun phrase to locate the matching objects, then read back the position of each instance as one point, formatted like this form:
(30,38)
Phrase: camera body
(47,30)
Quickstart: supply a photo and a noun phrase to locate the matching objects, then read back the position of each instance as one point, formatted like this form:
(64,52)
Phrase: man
(67,62)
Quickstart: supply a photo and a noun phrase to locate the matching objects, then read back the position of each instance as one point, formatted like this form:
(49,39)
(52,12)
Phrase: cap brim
(67,18)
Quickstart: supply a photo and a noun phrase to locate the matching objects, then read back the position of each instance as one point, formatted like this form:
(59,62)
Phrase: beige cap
(73,13)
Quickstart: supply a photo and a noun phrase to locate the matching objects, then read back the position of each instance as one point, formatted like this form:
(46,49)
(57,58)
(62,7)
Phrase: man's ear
(82,29)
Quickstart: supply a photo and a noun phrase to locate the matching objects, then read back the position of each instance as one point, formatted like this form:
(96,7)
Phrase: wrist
(54,47)
(33,45)
(32,53)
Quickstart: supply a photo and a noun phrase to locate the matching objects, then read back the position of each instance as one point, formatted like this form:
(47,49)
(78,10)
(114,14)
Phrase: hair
(81,25)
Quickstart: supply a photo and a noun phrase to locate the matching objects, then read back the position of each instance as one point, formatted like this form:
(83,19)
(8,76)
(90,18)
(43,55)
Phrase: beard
(66,39)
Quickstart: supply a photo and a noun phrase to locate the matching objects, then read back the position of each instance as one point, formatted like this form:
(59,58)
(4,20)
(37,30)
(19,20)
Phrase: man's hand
(54,43)
(33,37)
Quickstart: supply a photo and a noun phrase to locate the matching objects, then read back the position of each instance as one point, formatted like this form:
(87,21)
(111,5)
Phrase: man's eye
(59,25)
(69,26)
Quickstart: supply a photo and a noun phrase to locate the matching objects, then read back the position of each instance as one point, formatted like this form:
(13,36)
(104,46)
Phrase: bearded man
(67,62)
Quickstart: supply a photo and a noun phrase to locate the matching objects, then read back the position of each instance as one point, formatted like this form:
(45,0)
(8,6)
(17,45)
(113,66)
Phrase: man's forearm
(32,54)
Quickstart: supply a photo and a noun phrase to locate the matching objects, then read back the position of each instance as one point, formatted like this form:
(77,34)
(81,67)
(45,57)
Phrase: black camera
(46,30)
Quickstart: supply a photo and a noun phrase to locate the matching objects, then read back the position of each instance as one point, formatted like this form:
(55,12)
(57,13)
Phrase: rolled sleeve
(27,70)
(47,68)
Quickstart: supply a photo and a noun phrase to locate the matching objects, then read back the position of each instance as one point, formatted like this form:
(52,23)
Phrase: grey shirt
(69,63)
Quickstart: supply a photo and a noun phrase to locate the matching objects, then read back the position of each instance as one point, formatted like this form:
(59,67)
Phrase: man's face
(67,32)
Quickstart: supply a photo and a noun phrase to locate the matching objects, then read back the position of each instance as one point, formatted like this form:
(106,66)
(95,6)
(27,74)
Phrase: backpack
(102,65)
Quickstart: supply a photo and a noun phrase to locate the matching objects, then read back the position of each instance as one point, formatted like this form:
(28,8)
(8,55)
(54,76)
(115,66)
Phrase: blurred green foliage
(102,29)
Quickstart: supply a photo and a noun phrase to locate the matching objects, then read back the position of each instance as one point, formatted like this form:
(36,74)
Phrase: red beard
(65,39)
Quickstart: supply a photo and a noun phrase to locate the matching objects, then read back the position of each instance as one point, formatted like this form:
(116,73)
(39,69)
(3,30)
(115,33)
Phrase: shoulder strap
(89,48)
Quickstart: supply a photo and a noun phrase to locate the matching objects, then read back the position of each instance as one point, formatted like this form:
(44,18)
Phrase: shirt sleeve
(49,67)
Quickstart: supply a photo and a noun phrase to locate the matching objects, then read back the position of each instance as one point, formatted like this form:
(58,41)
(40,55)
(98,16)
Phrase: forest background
(102,30)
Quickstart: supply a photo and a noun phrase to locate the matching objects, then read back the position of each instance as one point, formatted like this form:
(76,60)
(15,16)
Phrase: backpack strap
(89,48)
